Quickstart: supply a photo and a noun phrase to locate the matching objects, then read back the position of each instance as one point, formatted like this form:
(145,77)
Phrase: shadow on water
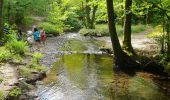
(91,77)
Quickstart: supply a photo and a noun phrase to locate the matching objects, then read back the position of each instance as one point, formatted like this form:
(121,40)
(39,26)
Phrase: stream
(78,70)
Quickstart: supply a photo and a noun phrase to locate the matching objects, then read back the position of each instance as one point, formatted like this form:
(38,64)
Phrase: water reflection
(91,77)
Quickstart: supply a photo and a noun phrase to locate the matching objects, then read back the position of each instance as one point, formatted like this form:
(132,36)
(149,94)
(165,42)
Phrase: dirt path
(10,77)
(140,41)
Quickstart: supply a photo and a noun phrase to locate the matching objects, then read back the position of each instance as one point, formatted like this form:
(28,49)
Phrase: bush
(102,30)
(4,54)
(51,28)
(17,47)
(36,58)
(157,35)
(73,23)
(94,32)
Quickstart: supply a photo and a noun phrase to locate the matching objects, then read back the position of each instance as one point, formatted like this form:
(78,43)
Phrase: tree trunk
(163,37)
(122,20)
(83,17)
(9,8)
(1,23)
(127,45)
(88,20)
(122,60)
(168,40)
(92,25)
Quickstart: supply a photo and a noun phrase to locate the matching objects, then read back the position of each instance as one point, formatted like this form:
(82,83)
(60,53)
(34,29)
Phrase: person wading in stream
(42,36)
(36,38)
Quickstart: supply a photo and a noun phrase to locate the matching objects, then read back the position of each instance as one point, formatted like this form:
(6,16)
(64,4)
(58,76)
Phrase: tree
(1,25)
(163,7)
(127,45)
(90,20)
(122,60)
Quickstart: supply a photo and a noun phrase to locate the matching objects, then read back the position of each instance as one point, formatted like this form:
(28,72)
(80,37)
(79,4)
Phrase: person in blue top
(36,38)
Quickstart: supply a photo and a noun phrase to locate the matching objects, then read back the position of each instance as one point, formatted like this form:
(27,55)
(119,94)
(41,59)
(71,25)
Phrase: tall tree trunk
(1,23)
(168,39)
(88,20)
(163,37)
(127,45)
(92,25)
(83,17)
(122,60)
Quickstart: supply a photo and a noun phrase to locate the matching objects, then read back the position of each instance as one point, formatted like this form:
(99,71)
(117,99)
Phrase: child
(36,38)
(42,36)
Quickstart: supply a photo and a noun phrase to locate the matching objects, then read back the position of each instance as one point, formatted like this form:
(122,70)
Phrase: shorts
(37,41)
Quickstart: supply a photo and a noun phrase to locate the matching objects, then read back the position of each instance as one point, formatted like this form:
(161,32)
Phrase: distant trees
(19,11)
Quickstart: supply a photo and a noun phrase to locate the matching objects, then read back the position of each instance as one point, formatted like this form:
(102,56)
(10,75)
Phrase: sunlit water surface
(91,77)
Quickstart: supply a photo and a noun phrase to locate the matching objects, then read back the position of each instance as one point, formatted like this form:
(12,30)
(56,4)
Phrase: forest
(84,49)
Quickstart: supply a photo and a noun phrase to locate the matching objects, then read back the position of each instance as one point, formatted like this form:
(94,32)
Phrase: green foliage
(17,47)
(14,93)
(16,11)
(157,34)
(102,30)
(51,28)
(11,35)
(89,32)
(2,97)
(29,21)
(26,71)
(73,23)
(4,55)
(37,57)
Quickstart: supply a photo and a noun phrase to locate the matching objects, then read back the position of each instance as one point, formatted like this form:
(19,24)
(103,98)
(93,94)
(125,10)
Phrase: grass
(74,45)
(135,28)
(26,71)
(102,30)
(2,97)
(14,93)
(4,54)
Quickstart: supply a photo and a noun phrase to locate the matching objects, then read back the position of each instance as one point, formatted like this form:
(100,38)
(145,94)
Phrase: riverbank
(19,76)
(69,44)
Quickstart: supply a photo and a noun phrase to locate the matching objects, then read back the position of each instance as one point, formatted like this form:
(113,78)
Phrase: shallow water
(91,77)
